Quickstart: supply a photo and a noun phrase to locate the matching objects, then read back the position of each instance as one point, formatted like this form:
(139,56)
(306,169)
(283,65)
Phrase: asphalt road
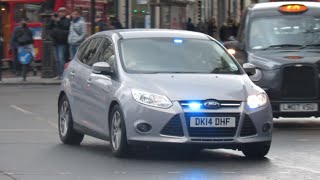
(30,149)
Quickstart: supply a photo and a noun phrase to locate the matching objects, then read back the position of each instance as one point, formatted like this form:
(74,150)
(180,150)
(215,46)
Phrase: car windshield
(176,55)
(285,32)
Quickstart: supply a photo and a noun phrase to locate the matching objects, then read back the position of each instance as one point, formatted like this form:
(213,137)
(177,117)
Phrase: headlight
(231,51)
(255,101)
(151,99)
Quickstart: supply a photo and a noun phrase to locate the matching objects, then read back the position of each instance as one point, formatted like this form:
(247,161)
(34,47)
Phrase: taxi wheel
(118,135)
(256,150)
(65,123)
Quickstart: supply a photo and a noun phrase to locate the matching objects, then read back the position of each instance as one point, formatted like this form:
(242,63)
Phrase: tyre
(256,150)
(119,144)
(65,123)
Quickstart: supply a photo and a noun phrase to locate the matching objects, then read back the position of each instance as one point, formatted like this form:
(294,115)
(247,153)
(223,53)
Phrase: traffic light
(199,11)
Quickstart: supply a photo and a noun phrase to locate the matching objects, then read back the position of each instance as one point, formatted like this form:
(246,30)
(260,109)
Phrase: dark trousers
(16,64)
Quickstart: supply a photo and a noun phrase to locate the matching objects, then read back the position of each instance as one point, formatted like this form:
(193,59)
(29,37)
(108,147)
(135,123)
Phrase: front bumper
(136,113)
(275,104)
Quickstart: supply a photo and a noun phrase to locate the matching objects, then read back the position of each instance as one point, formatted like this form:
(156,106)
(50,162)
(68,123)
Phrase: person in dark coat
(212,27)
(22,39)
(228,30)
(116,23)
(101,25)
(59,27)
(190,25)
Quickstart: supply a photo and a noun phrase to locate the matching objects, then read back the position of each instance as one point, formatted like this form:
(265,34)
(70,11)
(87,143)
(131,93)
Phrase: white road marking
(64,173)
(300,168)
(20,109)
(176,172)
(229,172)
(49,122)
(52,124)
(26,130)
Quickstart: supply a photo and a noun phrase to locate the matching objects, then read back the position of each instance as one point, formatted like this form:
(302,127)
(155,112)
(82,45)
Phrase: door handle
(89,81)
(72,73)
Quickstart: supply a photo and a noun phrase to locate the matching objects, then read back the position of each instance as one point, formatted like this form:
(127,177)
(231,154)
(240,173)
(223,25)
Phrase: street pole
(93,15)
(127,14)
(147,18)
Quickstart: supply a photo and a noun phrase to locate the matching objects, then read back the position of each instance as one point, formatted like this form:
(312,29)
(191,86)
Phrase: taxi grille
(248,128)
(173,127)
(212,131)
(299,82)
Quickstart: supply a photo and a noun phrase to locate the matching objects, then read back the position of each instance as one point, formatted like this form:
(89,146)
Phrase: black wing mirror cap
(249,68)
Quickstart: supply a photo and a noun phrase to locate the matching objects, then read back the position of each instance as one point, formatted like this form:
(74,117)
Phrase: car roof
(276,5)
(154,33)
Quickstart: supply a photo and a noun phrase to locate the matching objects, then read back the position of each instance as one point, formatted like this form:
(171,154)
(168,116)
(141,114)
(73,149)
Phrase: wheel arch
(113,103)
(62,93)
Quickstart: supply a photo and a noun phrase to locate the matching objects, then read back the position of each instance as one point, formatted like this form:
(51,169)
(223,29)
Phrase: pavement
(30,149)
(9,78)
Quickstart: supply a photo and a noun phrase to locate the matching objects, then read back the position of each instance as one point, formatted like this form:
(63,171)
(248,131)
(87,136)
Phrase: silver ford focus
(162,87)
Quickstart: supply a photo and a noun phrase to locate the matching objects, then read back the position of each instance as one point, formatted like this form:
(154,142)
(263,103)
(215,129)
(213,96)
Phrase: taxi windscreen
(284,31)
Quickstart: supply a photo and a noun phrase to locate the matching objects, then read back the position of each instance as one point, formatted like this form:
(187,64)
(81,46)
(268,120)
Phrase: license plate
(212,122)
(299,107)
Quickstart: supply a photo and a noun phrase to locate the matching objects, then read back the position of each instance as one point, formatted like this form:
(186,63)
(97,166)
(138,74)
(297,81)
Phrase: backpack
(24,37)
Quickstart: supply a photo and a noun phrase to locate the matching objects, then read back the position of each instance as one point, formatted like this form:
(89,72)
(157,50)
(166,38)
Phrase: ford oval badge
(211,104)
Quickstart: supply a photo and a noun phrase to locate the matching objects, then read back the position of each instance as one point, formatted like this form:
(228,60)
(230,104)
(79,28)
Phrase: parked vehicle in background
(165,87)
(282,40)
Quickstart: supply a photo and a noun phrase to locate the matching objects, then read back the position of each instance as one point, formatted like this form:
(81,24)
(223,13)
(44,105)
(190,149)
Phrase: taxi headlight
(151,99)
(231,51)
(258,100)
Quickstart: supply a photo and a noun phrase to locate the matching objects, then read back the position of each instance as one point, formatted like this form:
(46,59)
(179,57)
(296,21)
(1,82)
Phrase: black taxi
(282,40)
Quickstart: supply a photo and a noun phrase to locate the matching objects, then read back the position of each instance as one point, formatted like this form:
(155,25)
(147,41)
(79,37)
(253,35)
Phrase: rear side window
(106,51)
(89,53)
(81,49)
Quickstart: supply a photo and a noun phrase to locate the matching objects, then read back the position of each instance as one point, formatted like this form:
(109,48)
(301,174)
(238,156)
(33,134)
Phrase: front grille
(299,82)
(248,128)
(223,104)
(173,127)
(212,131)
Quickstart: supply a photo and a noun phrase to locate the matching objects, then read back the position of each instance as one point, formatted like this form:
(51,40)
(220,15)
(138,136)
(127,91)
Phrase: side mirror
(101,68)
(249,68)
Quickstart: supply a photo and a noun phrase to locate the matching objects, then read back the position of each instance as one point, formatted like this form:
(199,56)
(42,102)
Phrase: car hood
(275,59)
(179,87)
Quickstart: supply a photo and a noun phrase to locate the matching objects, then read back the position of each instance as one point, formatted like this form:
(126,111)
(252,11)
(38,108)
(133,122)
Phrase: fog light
(266,127)
(144,127)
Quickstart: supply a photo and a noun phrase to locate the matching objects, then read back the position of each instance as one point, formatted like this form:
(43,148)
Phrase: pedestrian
(21,40)
(201,27)
(17,68)
(212,27)
(59,27)
(116,23)
(77,32)
(101,25)
(228,30)
(190,25)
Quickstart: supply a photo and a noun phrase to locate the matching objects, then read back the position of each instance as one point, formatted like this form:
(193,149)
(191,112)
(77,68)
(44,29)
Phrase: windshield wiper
(278,46)
(312,45)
